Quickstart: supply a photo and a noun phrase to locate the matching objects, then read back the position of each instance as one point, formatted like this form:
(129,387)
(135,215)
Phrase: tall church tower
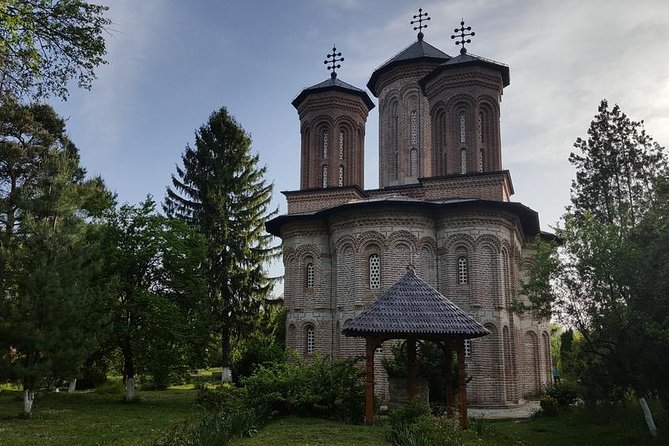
(405,147)
(332,115)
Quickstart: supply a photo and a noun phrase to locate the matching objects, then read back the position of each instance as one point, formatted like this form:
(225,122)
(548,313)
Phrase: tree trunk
(73,386)
(226,372)
(648,416)
(28,399)
(128,372)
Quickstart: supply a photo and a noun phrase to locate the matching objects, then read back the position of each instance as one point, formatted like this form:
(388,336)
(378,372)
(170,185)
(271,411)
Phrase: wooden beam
(462,389)
(369,381)
(411,359)
(447,362)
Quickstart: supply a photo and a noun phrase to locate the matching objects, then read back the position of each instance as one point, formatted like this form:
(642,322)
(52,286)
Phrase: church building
(443,205)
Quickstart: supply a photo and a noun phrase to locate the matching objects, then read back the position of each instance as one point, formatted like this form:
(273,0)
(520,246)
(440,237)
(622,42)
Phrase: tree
(46,43)
(50,316)
(159,323)
(221,191)
(602,279)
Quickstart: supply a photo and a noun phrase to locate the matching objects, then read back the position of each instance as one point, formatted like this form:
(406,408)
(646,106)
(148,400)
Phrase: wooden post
(369,382)
(411,357)
(462,390)
(448,378)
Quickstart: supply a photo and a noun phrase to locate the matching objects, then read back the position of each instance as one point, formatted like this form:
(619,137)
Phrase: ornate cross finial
(333,59)
(462,36)
(421,17)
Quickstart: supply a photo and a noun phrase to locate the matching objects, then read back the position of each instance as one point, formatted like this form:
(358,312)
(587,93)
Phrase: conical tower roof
(418,51)
(412,307)
(333,84)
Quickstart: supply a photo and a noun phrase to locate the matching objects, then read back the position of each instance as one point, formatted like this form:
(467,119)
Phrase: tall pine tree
(220,190)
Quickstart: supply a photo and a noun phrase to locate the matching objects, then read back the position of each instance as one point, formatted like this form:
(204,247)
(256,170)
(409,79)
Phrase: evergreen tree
(159,322)
(50,316)
(221,191)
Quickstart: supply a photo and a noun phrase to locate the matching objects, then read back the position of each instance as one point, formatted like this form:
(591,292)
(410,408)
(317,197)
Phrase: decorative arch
(371,238)
(509,365)
(439,138)
(403,236)
(531,381)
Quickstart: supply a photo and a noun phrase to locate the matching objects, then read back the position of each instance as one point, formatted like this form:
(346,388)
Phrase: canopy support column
(371,344)
(411,357)
(447,367)
(462,386)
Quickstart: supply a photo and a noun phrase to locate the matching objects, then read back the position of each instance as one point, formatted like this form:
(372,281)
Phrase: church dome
(333,84)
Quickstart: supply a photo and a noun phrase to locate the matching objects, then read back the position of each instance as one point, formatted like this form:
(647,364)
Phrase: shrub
(212,430)
(409,413)
(111,387)
(549,406)
(223,398)
(423,429)
(254,351)
(320,388)
(564,393)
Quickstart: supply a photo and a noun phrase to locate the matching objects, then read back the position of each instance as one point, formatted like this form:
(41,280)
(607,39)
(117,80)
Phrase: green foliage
(53,281)
(223,398)
(220,190)
(409,413)
(549,406)
(565,393)
(216,429)
(420,428)
(329,389)
(253,351)
(159,299)
(44,44)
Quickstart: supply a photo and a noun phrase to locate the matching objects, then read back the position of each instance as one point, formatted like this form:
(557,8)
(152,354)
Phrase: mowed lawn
(86,418)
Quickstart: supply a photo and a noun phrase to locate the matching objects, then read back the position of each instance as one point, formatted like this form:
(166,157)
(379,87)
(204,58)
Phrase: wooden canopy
(411,309)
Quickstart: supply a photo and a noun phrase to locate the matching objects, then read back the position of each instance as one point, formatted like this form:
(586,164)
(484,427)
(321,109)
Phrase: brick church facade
(443,205)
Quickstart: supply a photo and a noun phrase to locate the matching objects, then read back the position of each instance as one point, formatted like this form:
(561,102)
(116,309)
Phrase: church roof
(466,59)
(412,307)
(333,84)
(420,50)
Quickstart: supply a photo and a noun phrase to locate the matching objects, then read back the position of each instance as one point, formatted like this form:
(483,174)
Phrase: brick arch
(429,242)
(531,378)
(456,241)
(409,89)
(489,240)
(460,100)
(510,377)
(304,250)
(439,127)
(546,360)
(371,238)
(486,376)
(403,236)
(342,242)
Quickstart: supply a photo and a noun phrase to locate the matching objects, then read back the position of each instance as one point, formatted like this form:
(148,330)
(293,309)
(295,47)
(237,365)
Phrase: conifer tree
(52,288)
(220,190)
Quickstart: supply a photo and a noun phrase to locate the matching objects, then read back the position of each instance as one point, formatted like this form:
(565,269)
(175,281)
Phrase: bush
(223,398)
(409,413)
(549,406)
(564,393)
(111,387)
(254,351)
(320,388)
(213,430)
(423,429)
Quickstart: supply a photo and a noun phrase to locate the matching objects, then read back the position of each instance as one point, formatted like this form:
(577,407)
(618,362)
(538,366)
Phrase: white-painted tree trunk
(28,399)
(73,386)
(130,393)
(226,375)
(648,416)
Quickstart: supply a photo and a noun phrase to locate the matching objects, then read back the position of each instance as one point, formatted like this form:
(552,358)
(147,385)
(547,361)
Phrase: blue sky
(173,62)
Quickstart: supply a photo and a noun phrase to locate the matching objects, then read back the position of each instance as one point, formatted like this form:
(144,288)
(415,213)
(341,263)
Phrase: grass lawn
(87,418)
(311,432)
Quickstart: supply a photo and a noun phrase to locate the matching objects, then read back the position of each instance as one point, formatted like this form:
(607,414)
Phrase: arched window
(394,126)
(463,271)
(310,275)
(374,272)
(480,130)
(462,127)
(341,144)
(481,160)
(468,348)
(397,166)
(463,161)
(341,176)
(325,176)
(414,128)
(311,339)
(325,144)
(413,160)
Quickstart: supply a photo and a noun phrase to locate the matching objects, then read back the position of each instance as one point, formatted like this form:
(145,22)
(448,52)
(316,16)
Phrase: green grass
(88,418)
(312,431)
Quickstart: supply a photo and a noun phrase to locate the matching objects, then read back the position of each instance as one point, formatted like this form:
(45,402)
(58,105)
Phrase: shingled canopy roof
(413,308)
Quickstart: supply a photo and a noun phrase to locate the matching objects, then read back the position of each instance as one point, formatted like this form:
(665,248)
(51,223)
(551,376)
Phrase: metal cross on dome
(333,59)
(462,36)
(420,18)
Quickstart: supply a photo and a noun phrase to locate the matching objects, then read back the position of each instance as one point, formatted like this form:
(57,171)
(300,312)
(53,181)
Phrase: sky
(171,63)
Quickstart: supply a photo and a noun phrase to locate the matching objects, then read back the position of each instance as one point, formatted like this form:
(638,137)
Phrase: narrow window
(311,340)
(462,126)
(468,348)
(397,165)
(341,144)
(414,128)
(462,271)
(463,161)
(325,176)
(310,275)
(374,272)
(341,176)
(480,130)
(325,144)
(414,162)
(481,160)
